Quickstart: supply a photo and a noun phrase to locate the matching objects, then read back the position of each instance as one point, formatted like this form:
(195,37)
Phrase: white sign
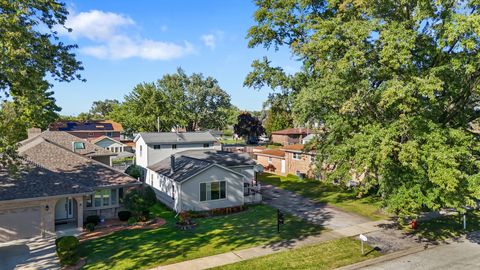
(363,238)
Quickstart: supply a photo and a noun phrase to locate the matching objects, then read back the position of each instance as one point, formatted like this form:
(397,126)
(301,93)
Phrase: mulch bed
(113,225)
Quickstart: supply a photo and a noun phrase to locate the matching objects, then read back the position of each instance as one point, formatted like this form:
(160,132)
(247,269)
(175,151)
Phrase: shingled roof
(177,138)
(189,163)
(66,140)
(293,131)
(48,169)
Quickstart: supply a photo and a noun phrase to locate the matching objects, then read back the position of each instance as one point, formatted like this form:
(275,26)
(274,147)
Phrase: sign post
(464,222)
(363,238)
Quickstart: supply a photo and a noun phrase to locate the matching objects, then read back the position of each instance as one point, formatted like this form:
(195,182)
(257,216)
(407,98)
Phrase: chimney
(33,132)
(172,163)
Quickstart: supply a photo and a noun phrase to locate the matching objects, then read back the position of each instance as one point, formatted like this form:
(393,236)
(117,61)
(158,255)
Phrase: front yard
(447,227)
(327,255)
(317,191)
(143,249)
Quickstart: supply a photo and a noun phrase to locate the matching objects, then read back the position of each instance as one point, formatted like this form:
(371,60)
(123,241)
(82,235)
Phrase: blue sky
(123,43)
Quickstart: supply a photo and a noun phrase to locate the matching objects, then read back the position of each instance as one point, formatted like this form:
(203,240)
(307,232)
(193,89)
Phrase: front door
(69,207)
(64,208)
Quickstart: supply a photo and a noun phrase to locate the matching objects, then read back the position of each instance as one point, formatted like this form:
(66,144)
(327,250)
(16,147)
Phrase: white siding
(245,170)
(165,188)
(141,152)
(165,151)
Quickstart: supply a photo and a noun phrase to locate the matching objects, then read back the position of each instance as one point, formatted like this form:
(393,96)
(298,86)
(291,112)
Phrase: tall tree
(101,108)
(396,84)
(177,99)
(249,128)
(31,51)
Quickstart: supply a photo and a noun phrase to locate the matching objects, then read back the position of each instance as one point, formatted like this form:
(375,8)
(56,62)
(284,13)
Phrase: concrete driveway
(35,253)
(317,213)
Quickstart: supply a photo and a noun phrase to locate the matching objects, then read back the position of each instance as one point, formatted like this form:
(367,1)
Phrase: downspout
(179,199)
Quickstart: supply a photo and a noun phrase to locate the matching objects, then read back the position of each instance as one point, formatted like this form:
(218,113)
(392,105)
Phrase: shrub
(139,201)
(134,171)
(124,215)
(93,219)
(90,227)
(132,220)
(67,250)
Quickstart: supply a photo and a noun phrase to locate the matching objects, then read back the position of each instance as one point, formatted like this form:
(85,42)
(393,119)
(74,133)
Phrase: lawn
(317,191)
(142,249)
(447,227)
(327,255)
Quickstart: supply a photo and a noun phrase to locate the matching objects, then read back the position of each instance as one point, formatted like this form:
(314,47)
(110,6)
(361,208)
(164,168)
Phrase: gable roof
(190,163)
(292,131)
(48,169)
(66,140)
(297,148)
(88,126)
(177,138)
(101,138)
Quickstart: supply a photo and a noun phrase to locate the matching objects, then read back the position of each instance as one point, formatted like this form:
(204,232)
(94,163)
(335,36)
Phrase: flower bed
(115,225)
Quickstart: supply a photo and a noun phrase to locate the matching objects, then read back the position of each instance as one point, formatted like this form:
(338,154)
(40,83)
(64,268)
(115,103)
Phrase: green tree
(30,52)
(193,102)
(396,84)
(102,108)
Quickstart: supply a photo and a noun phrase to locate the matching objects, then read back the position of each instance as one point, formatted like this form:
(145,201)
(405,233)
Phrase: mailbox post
(280,219)
(363,238)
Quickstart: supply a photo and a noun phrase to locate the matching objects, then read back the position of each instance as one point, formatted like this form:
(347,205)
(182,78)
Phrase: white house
(187,173)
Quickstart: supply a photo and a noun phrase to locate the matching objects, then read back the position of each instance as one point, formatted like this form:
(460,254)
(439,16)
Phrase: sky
(124,43)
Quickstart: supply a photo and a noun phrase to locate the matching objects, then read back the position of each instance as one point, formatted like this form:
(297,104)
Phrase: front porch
(68,214)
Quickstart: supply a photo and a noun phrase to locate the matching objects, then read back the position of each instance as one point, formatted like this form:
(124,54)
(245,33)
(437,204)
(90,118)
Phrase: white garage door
(19,223)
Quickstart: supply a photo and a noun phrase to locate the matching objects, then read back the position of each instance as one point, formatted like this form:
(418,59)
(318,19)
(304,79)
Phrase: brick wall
(275,161)
(286,139)
(303,165)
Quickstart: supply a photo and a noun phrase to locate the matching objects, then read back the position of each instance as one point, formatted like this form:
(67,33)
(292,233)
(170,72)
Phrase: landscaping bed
(321,192)
(115,225)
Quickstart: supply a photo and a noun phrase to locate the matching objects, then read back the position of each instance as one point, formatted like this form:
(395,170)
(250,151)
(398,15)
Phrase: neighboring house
(308,138)
(73,143)
(90,130)
(55,188)
(290,135)
(152,147)
(198,180)
(272,160)
(112,145)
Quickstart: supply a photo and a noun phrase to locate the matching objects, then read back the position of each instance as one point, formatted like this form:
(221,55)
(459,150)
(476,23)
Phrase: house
(89,130)
(56,187)
(192,175)
(152,147)
(290,135)
(112,145)
(272,160)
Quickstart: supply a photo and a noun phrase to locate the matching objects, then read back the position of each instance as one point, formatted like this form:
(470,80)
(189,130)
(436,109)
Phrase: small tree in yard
(249,128)
(139,202)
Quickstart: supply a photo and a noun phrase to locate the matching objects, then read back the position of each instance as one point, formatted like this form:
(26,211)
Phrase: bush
(134,171)
(139,201)
(124,215)
(93,219)
(67,250)
(90,227)
(132,220)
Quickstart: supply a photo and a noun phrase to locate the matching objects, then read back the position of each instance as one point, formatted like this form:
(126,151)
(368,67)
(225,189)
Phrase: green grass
(327,255)
(317,191)
(447,227)
(143,249)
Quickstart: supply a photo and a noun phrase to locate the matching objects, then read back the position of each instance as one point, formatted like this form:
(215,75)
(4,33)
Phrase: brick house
(290,135)
(298,161)
(272,160)
(90,130)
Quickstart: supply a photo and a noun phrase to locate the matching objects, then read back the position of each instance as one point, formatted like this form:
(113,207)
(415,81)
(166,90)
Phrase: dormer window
(78,145)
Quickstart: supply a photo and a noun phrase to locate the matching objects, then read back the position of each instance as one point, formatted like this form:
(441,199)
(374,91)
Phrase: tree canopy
(248,127)
(31,52)
(102,108)
(176,100)
(395,85)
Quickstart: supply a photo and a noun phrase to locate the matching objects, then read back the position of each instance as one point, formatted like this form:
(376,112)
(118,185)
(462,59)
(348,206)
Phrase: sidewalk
(245,254)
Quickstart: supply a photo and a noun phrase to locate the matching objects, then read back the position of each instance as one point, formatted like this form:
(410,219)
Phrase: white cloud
(108,31)
(209,41)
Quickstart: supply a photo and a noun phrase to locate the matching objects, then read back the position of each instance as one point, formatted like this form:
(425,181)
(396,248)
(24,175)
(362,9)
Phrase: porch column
(79,211)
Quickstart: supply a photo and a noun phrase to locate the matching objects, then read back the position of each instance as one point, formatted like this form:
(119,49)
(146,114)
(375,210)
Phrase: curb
(387,257)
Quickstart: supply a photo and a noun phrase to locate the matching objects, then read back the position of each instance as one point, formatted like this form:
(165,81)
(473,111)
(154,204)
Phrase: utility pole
(158,124)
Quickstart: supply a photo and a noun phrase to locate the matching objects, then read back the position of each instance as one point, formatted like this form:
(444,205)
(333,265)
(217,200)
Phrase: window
(140,150)
(156,146)
(206,145)
(109,134)
(89,201)
(113,196)
(269,160)
(296,156)
(90,134)
(213,191)
(104,197)
(174,146)
(78,145)
(312,158)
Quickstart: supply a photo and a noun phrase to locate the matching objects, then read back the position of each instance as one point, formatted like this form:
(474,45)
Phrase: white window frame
(210,182)
(298,156)
(110,205)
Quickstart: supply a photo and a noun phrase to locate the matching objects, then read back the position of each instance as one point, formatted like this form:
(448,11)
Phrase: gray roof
(65,140)
(178,138)
(189,163)
(48,169)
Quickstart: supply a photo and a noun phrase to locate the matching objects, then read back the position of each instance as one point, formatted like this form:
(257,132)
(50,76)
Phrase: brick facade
(303,163)
(271,163)
(286,139)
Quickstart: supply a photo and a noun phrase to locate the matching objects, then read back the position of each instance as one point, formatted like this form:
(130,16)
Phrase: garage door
(19,223)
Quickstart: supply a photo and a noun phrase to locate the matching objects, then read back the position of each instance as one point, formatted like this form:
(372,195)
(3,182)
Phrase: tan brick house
(56,187)
(298,161)
(272,160)
(290,135)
